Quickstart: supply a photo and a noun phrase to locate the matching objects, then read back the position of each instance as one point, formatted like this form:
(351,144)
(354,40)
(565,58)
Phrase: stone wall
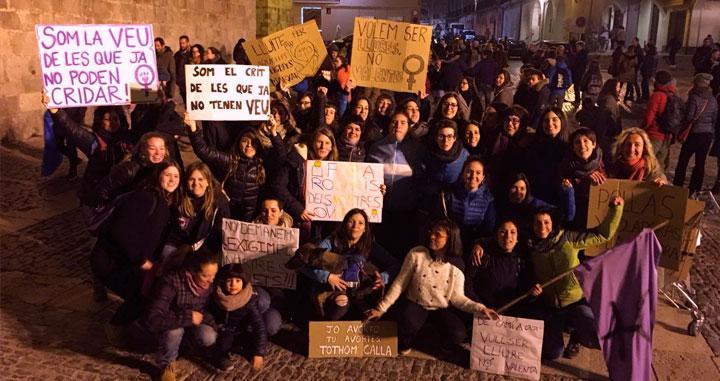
(216,23)
(273,15)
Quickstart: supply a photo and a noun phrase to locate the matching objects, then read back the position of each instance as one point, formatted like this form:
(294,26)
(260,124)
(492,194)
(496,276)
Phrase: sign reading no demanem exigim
(96,65)
(227,92)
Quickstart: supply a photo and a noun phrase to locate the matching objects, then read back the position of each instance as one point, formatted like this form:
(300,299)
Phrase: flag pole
(560,276)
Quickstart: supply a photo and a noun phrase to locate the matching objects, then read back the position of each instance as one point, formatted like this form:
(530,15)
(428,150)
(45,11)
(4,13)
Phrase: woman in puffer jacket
(243,169)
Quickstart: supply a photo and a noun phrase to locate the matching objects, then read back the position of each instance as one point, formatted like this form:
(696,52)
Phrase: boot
(168,373)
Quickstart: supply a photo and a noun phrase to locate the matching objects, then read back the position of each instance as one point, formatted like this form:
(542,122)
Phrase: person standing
(660,139)
(165,66)
(182,57)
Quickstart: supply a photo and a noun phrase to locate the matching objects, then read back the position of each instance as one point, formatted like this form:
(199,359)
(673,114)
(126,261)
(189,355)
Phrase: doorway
(676,26)
(654,20)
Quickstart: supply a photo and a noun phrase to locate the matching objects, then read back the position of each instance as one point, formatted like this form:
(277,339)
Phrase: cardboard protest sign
(227,92)
(292,53)
(646,205)
(509,346)
(262,249)
(332,188)
(390,55)
(352,339)
(96,65)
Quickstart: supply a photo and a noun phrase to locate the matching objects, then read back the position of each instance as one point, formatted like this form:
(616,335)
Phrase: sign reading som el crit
(96,65)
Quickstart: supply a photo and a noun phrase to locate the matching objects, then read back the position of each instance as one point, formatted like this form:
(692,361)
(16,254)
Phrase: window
(311,13)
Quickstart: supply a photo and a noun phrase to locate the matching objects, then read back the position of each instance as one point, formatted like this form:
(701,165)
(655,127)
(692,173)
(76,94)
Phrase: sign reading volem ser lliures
(227,92)
(390,55)
(509,346)
(330,339)
(263,251)
(96,65)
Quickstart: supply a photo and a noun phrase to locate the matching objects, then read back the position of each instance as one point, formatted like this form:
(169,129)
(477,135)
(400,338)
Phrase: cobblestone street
(51,329)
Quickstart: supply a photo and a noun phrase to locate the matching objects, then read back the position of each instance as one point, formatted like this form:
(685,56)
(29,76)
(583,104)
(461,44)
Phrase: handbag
(98,217)
(685,132)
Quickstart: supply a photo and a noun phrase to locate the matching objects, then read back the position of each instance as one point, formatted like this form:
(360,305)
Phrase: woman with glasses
(451,106)
(445,157)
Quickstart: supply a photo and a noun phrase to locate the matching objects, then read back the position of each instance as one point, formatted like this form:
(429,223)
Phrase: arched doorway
(548,21)
(613,17)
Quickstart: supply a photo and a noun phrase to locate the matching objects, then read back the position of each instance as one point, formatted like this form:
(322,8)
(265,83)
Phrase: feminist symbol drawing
(145,76)
(412,73)
(620,328)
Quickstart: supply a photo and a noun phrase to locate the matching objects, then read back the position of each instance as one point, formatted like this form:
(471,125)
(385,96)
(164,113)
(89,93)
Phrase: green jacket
(562,255)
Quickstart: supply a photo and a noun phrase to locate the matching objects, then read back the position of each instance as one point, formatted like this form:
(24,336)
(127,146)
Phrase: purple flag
(621,288)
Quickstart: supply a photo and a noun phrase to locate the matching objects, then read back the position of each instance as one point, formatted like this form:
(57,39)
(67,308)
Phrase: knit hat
(663,77)
(232,270)
(702,80)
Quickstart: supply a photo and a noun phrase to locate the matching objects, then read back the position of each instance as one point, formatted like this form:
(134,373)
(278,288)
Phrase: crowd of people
(486,189)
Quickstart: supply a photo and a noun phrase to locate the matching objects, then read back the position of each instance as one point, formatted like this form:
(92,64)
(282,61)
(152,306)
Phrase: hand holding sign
(372,314)
(46,101)
(192,125)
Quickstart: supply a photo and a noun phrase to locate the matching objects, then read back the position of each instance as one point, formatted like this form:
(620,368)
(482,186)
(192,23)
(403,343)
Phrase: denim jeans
(579,318)
(271,316)
(170,340)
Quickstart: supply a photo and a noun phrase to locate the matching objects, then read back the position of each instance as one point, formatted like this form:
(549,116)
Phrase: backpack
(561,79)
(670,121)
(594,85)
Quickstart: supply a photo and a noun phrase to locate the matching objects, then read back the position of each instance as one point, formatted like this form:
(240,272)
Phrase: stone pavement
(50,328)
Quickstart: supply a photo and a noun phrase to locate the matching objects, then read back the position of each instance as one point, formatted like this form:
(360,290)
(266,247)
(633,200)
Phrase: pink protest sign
(95,65)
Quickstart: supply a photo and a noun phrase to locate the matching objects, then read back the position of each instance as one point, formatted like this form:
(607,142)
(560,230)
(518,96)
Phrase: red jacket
(655,107)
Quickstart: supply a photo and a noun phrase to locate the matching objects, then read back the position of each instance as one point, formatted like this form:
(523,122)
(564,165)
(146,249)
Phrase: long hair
(453,247)
(208,206)
(651,162)
(610,88)
(327,132)
(154,184)
(341,236)
(142,146)
(564,133)
(236,154)
(201,50)
(100,112)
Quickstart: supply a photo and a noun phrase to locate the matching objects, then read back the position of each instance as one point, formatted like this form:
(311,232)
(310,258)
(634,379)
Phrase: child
(234,307)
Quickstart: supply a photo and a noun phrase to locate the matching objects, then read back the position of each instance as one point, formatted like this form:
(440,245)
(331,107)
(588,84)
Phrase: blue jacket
(403,166)
(471,209)
(386,263)
(442,174)
(560,77)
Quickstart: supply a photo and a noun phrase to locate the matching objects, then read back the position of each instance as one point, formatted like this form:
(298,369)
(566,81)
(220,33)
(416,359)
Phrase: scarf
(631,170)
(233,302)
(196,288)
(446,156)
(547,244)
(577,168)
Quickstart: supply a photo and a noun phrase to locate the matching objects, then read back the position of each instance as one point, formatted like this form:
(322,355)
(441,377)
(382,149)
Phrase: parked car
(515,48)
(468,35)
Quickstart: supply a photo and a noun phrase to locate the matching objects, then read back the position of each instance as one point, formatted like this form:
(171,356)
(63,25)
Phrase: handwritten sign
(95,65)
(390,55)
(292,53)
(646,205)
(263,251)
(352,339)
(332,188)
(227,92)
(509,346)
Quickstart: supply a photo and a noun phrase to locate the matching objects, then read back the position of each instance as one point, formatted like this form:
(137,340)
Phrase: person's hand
(147,265)
(378,281)
(422,94)
(270,128)
(307,215)
(566,183)
(45,101)
(197,317)
(489,314)
(660,181)
(372,314)
(336,282)
(383,189)
(536,290)
(257,363)
(477,254)
(597,178)
(617,201)
(190,122)
(349,85)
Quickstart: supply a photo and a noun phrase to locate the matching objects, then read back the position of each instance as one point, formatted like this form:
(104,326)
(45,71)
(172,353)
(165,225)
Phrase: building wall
(272,16)
(705,19)
(343,13)
(216,23)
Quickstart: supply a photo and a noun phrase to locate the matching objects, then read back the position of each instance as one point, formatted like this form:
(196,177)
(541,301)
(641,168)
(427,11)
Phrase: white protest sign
(227,92)
(332,188)
(509,346)
(96,65)
(262,249)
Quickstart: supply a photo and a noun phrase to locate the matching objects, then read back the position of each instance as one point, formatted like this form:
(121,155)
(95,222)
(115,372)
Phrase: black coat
(288,184)
(100,160)
(500,278)
(242,185)
(238,320)
(186,230)
(173,303)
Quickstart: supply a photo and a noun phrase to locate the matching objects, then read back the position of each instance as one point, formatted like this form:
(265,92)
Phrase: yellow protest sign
(390,55)
(352,339)
(646,205)
(292,53)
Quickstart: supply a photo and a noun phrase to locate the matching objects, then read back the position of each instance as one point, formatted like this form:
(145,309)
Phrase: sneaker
(572,350)
(224,363)
(168,373)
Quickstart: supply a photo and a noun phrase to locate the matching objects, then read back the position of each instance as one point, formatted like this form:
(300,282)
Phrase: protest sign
(227,92)
(352,339)
(390,55)
(332,188)
(292,53)
(263,251)
(646,205)
(95,65)
(509,346)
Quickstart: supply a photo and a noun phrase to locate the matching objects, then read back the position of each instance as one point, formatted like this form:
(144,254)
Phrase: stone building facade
(216,23)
